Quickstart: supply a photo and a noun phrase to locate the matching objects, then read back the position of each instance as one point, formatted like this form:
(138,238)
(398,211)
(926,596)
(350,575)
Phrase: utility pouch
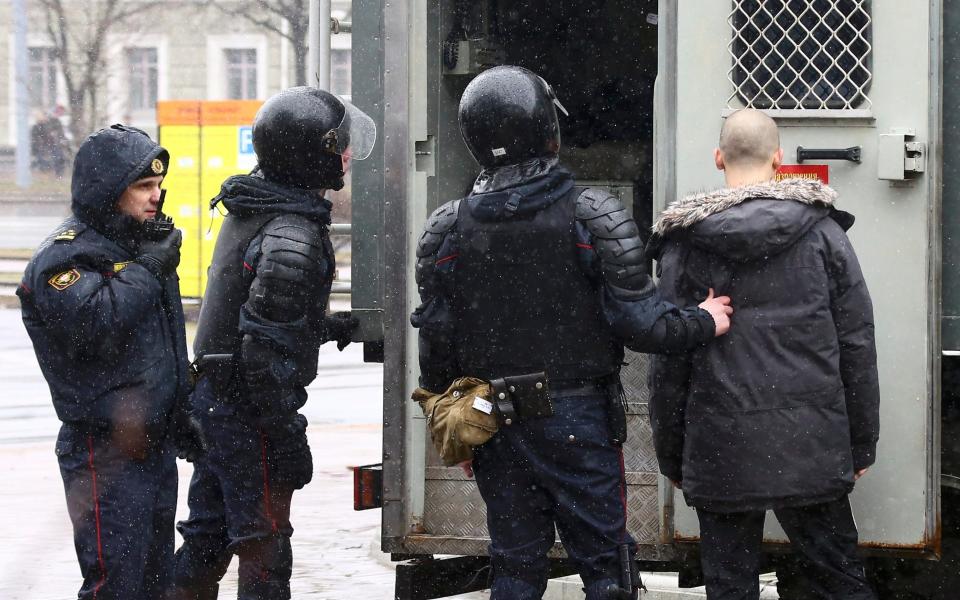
(521,397)
(459,419)
(220,369)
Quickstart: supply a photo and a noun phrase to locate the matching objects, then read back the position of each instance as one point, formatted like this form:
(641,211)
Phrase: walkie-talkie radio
(160,225)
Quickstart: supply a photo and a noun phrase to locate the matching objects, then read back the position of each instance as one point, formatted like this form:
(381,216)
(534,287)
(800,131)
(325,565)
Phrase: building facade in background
(176,50)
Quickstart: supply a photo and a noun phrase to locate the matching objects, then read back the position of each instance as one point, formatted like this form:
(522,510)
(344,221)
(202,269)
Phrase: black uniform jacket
(608,253)
(269,286)
(782,409)
(109,336)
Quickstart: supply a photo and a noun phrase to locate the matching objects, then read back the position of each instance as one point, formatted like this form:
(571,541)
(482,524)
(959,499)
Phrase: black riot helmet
(303,135)
(508,115)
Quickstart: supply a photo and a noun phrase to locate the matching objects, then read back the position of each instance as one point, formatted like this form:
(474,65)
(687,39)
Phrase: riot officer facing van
(101,303)
(261,326)
(535,278)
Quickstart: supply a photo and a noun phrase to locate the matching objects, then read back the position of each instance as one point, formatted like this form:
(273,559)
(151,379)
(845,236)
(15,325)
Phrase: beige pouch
(459,419)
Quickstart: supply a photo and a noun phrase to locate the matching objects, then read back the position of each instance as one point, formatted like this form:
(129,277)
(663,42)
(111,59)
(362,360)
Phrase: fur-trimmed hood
(752,221)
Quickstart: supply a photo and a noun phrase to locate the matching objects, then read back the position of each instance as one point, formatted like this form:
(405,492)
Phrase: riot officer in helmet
(262,322)
(532,276)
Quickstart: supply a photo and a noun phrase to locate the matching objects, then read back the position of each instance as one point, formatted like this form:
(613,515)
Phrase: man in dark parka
(101,303)
(782,414)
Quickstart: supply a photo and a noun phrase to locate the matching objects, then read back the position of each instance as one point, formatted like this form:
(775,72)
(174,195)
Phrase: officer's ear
(718,159)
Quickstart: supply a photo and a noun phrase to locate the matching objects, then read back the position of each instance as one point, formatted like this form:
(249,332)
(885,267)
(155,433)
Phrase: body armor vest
(523,303)
(228,285)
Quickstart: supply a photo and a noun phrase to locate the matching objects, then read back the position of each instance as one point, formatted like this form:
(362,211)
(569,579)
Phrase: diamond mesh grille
(800,54)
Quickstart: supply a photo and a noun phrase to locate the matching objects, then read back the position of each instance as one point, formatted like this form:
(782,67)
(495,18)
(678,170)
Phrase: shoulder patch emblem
(117,267)
(67,236)
(62,281)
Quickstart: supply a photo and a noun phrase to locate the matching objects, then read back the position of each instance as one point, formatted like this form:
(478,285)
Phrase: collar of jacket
(245,195)
(499,178)
(693,209)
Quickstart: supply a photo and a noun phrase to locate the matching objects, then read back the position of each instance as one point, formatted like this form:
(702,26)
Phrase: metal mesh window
(801,54)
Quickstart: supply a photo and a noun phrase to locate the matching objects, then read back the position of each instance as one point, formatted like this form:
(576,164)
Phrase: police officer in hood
(261,325)
(537,284)
(101,303)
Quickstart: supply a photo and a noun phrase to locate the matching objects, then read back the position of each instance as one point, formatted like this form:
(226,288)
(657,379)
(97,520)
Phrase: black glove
(257,361)
(161,257)
(187,435)
(340,327)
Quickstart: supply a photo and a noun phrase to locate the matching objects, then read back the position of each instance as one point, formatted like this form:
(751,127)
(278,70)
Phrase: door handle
(851,154)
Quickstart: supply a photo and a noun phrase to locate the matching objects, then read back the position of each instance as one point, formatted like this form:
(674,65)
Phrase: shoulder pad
(295,228)
(438,225)
(605,216)
(443,219)
(594,202)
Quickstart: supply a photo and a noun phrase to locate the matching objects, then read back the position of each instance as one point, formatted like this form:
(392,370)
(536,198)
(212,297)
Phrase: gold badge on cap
(62,281)
(157,166)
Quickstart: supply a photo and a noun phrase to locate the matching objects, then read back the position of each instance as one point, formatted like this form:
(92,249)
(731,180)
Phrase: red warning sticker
(821,172)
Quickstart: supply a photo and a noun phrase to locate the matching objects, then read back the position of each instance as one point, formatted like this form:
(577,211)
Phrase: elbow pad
(616,240)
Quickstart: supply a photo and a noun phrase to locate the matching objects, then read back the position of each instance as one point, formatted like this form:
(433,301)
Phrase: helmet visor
(356,134)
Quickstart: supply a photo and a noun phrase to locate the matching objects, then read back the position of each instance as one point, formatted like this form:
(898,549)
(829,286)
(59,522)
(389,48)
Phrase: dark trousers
(238,505)
(824,536)
(122,509)
(559,470)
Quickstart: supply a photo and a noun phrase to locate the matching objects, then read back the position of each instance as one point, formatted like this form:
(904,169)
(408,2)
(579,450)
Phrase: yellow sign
(206,142)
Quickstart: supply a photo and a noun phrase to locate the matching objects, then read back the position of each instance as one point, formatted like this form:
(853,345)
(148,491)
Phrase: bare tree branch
(79,41)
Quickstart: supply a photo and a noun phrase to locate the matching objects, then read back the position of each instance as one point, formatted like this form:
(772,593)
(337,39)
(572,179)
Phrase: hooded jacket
(783,409)
(108,334)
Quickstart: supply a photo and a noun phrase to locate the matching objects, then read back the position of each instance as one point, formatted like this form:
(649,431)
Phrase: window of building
(43,78)
(801,54)
(142,78)
(241,66)
(340,71)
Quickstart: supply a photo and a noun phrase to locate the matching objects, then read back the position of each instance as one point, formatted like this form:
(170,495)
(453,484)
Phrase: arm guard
(616,240)
(290,271)
(438,365)
(633,308)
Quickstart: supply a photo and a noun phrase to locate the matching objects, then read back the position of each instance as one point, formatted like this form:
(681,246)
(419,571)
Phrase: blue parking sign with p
(246,140)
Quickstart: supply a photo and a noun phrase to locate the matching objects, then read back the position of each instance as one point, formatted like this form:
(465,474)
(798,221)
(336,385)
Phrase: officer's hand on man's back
(720,309)
(161,257)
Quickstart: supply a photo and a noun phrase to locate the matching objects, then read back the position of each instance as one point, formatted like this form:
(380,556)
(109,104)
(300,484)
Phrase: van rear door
(855,88)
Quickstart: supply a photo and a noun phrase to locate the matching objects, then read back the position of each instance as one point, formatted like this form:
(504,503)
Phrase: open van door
(855,88)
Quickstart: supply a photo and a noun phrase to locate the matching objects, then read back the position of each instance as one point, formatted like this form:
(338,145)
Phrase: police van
(859,89)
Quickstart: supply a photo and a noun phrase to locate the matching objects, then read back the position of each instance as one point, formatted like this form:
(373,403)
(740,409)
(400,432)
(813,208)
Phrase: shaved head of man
(749,150)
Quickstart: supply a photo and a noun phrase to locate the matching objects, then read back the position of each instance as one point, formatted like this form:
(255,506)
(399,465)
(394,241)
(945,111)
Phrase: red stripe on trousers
(266,481)
(623,493)
(96,511)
